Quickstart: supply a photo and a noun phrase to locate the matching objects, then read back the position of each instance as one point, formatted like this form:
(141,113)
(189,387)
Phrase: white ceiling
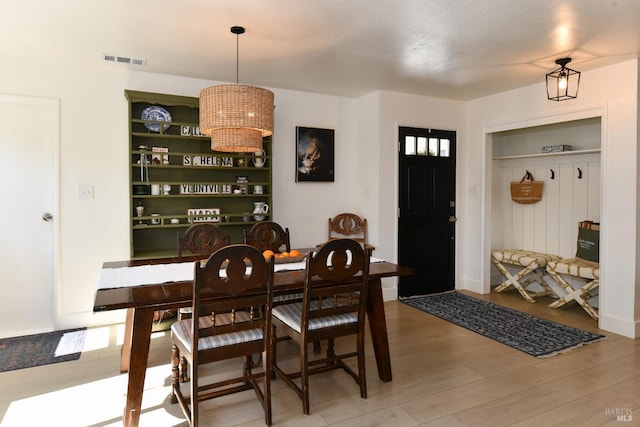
(457,49)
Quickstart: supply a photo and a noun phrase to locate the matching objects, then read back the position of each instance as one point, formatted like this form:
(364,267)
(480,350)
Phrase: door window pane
(422,146)
(410,145)
(444,148)
(433,146)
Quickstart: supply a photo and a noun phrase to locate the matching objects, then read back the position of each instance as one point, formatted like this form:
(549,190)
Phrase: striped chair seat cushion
(182,332)
(291,315)
(522,257)
(575,267)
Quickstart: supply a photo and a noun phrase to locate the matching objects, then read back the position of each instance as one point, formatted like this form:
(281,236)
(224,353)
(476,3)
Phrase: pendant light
(563,83)
(236,116)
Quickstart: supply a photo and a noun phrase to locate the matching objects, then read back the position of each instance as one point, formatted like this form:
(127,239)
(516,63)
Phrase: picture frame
(315,154)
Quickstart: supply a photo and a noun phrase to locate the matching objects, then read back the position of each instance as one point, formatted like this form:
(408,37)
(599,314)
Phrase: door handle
(453,218)
(47,217)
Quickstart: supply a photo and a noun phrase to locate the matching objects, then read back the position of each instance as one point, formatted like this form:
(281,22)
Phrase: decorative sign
(199,189)
(204,215)
(207,161)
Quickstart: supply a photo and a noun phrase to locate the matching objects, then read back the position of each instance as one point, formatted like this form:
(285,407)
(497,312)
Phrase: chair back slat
(268,235)
(202,239)
(348,225)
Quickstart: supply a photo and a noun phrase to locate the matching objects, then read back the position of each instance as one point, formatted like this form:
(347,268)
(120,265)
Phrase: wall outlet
(85,191)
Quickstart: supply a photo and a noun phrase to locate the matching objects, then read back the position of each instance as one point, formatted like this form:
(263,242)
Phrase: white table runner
(121,277)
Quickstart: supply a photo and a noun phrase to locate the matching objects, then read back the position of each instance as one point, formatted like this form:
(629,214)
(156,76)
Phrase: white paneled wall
(551,225)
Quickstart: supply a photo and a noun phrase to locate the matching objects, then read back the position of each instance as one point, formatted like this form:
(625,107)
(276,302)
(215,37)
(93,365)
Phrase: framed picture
(315,154)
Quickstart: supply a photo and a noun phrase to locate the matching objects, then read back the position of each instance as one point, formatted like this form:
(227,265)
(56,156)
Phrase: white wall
(616,101)
(94,151)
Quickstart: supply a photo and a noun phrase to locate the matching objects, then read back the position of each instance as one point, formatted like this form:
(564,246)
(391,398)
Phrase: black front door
(426,220)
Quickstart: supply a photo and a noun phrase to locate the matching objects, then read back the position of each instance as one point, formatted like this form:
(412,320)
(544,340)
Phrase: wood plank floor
(443,375)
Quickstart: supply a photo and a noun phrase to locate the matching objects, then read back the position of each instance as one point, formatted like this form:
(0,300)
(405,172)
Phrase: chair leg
(304,378)
(184,370)
(267,386)
(175,374)
(362,372)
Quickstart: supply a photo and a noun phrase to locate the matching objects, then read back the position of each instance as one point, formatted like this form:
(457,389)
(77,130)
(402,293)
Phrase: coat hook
(579,173)
(553,174)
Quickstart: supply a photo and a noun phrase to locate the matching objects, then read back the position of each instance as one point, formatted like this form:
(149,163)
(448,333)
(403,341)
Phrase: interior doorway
(427,206)
(29,193)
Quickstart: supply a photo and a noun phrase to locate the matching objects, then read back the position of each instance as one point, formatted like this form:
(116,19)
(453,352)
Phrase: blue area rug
(530,334)
(41,349)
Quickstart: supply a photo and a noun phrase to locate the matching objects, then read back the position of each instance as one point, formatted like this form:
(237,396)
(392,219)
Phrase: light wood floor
(443,375)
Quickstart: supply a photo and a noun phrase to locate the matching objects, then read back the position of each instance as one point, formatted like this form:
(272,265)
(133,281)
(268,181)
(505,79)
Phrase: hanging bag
(527,190)
(588,246)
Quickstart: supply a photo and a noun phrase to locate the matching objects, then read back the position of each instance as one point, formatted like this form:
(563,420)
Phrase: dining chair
(232,298)
(348,225)
(202,239)
(332,307)
(268,235)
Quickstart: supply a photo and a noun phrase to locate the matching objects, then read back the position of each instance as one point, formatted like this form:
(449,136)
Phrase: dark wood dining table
(142,300)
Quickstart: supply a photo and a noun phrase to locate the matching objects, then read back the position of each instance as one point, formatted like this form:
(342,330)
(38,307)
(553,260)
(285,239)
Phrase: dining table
(144,286)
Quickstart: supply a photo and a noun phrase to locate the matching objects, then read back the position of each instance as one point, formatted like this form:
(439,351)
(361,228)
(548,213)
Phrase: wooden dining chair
(348,225)
(232,298)
(268,235)
(331,308)
(202,239)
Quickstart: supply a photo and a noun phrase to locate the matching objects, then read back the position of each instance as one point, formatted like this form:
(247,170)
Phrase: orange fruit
(267,254)
(294,253)
(284,254)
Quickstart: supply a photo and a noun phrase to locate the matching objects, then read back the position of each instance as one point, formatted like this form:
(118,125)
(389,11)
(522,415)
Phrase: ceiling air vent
(118,59)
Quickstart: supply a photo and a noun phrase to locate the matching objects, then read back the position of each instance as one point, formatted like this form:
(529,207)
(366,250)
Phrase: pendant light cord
(237,30)
(237,56)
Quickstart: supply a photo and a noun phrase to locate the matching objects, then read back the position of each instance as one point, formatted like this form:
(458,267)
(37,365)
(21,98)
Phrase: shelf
(558,153)
(185,225)
(183,159)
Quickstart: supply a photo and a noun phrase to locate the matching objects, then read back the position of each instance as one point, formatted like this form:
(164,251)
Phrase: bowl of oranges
(293,255)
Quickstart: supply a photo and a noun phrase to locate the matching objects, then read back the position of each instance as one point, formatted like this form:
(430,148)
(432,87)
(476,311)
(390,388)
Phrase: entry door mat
(530,334)
(41,349)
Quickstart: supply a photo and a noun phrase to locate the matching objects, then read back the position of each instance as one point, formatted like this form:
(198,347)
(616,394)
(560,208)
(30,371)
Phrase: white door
(29,146)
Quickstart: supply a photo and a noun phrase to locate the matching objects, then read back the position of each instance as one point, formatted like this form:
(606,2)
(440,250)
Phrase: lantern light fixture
(563,83)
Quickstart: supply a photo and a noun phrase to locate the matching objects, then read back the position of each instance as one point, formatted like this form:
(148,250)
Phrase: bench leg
(531,269)
(580,295)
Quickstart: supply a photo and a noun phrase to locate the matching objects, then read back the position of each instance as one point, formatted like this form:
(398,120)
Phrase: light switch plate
(85,191)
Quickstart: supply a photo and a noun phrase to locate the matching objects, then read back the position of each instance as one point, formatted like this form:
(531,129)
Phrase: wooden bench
(585,267)
(575,267)
(533,266)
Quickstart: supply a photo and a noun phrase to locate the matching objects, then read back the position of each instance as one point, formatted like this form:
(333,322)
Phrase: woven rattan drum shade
(236,117)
